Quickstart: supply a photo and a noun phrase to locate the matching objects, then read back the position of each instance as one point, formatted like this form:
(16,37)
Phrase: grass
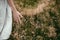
(41,26)
(27,3)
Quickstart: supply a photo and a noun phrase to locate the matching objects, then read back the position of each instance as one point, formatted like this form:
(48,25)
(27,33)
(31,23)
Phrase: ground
(41,20)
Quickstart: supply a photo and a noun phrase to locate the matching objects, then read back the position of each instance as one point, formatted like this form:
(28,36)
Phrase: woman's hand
(17,16)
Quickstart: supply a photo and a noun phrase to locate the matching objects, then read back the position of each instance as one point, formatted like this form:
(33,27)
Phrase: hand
(17,16)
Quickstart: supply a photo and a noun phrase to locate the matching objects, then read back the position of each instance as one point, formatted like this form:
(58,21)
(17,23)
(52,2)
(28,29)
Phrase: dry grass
(32,10)
(41,22)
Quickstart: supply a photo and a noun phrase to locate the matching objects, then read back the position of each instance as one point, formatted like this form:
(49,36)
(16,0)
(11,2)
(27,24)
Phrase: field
(41,20)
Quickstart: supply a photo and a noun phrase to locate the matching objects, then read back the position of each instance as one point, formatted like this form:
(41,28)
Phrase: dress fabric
(5,20)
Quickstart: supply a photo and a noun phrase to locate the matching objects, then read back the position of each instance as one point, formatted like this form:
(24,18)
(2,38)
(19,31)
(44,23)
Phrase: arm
(16,14)
(12,5)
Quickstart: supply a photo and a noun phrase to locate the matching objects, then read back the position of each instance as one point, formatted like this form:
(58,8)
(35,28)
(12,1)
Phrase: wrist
(14,10)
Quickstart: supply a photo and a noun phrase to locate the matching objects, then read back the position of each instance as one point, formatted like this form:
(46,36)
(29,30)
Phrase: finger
(18,19)
(20,15)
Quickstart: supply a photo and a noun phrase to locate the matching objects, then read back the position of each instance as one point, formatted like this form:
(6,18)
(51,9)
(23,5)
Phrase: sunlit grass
(42,26)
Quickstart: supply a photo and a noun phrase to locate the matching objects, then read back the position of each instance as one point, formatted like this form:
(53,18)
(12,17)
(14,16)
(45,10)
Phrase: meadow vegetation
(41,20)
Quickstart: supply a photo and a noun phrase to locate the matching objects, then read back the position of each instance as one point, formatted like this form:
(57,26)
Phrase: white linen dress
(5,20)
